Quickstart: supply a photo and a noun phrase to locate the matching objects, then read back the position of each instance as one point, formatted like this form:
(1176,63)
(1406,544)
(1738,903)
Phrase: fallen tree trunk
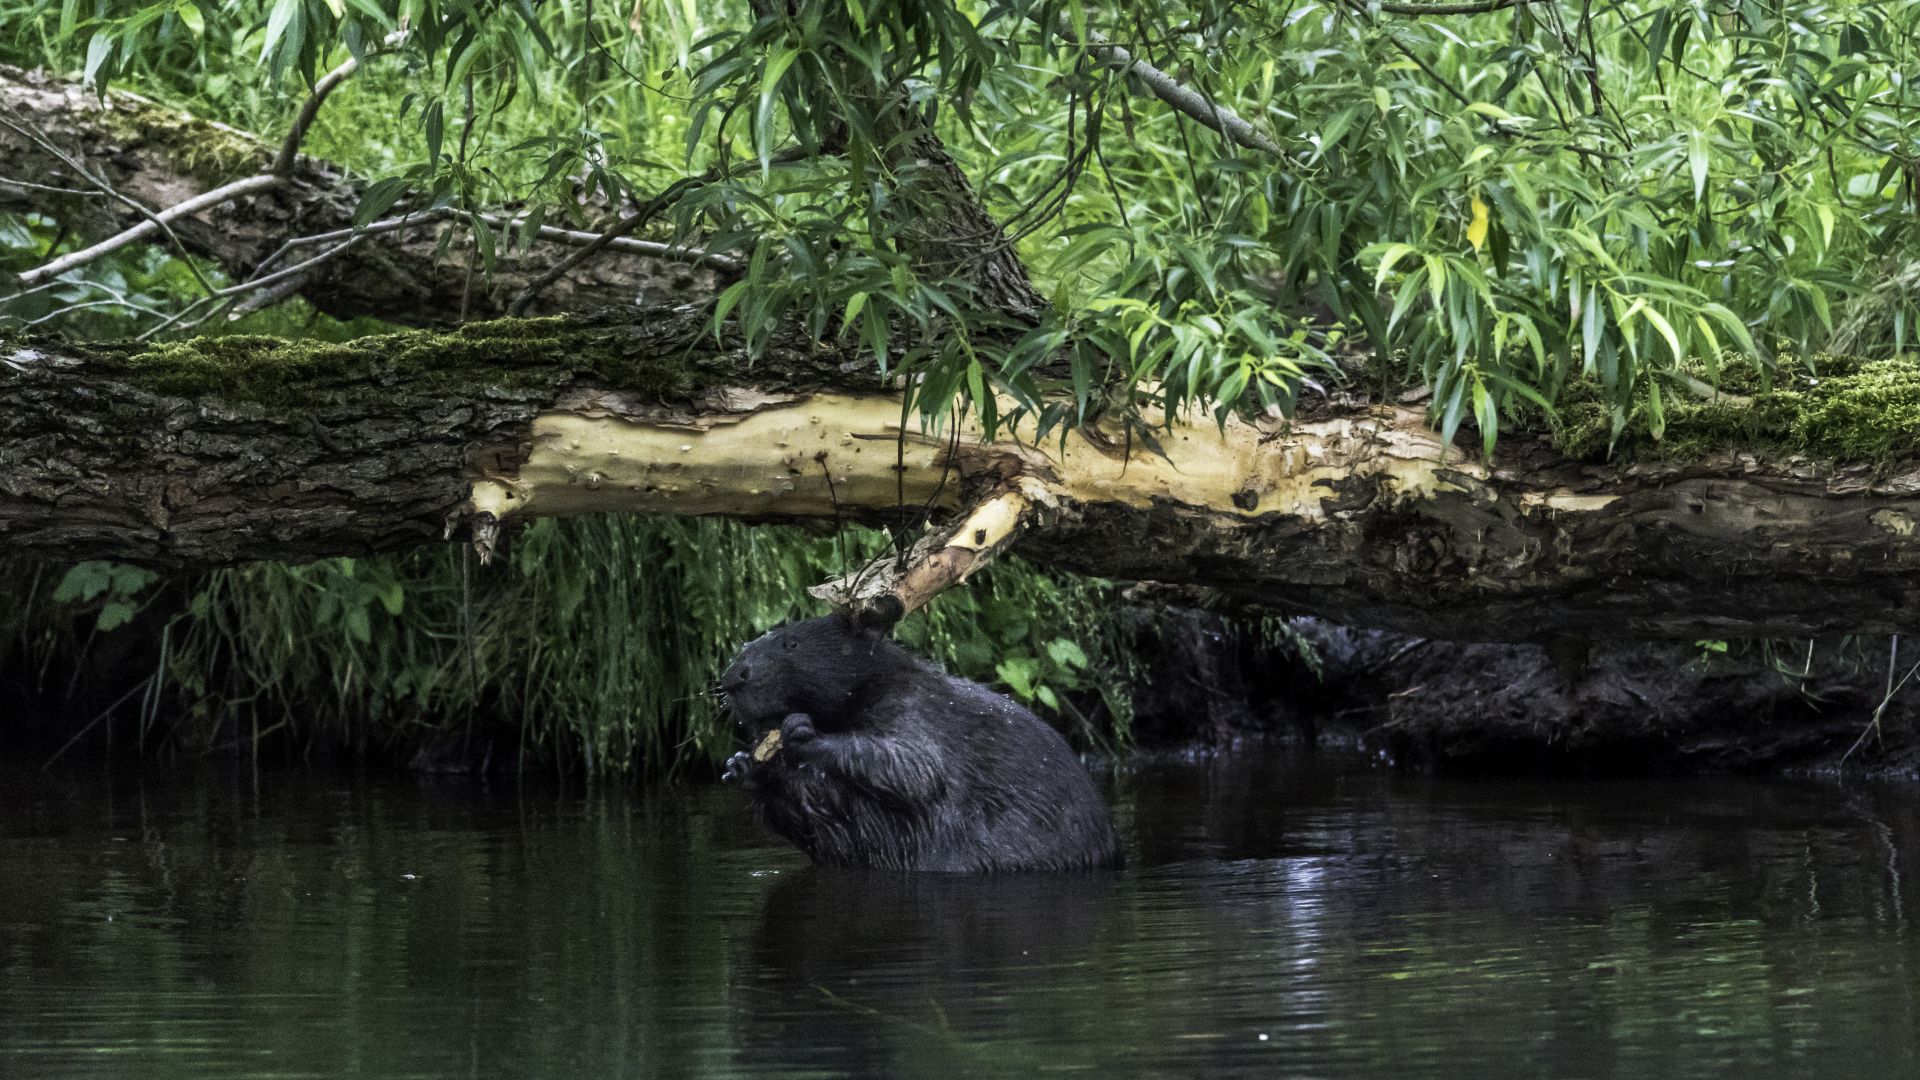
(161,157)
(218,450)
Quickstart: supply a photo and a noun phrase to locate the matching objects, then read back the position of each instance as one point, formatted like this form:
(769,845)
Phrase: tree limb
(1469,7)
(1181,97)
(202,453)
(219,196)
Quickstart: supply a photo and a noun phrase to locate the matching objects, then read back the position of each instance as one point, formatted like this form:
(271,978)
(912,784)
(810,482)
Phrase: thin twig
(384,225)
(1471,7)
(28,185)
(82,733)
(633,221)
(32,134)
(290,148)
(225,193)
(1173,92)
(73,282)
(266,298)
(150,331)
(119,302)
(221,195)
(620,228)
(1873,725)
(710,260)
(291,271)
(725,264)
(223,304)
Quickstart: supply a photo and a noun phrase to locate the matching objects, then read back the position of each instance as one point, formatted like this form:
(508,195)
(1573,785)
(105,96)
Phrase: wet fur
(885,761)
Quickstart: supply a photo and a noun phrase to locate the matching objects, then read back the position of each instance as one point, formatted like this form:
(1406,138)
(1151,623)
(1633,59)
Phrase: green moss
(1838,408)
(211,153)
(509,354)
(1873,416)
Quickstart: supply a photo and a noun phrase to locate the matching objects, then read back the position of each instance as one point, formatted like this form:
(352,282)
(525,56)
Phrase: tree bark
(219,450)
(161,157)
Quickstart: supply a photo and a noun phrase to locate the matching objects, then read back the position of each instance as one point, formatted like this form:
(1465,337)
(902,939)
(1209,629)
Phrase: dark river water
(1284,920)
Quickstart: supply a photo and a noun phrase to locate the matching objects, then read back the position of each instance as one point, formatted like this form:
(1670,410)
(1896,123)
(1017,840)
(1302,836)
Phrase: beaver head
(820,667)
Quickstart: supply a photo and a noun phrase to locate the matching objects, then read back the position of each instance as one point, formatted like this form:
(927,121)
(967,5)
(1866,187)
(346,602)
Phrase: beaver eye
(790,644)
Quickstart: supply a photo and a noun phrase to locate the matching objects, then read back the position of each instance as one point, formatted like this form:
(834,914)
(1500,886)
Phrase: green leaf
(377,198)
(854,304)
(84,581)
(282,17)
(1664,327)
(433,121)
(728,300)
(1066,653)
(1590,326)
(393,597)
(1697,162)
(114,615)
(770,77)
(483,237)
(359,627)
(1390,255)
(1017,673)
(99,48)
(1486,416)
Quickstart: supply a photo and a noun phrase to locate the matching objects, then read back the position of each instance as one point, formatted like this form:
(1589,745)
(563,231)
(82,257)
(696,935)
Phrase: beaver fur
(885,761)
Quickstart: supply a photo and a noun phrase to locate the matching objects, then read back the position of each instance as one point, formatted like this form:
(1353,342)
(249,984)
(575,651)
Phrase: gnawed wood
(898,584)
(1359,514)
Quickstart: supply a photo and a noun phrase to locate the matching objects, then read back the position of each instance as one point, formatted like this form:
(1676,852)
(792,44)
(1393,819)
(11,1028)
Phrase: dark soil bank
(1211,683)
(1599,708)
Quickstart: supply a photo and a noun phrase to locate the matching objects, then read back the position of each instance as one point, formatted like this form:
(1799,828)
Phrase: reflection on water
(1285,920)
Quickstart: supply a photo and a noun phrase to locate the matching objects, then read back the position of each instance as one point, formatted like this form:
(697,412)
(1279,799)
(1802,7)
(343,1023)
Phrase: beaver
(865,755)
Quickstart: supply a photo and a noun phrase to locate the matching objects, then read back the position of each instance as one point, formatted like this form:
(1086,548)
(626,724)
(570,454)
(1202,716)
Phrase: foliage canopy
(1507,203)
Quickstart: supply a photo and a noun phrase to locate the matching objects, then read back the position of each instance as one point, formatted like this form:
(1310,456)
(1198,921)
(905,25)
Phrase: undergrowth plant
(595,646)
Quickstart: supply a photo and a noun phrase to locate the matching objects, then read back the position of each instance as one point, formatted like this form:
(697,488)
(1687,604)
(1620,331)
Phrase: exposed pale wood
(1356,514)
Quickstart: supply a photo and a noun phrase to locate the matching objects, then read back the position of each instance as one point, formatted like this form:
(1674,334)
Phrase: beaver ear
(875,616)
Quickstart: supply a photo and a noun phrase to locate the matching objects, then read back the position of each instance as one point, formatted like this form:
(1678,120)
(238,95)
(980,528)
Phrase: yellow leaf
(1477,229)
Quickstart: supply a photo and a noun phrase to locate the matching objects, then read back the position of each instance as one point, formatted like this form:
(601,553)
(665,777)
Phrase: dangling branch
(899,584)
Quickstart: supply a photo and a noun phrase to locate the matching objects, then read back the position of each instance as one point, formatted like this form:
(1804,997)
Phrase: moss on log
(220,450)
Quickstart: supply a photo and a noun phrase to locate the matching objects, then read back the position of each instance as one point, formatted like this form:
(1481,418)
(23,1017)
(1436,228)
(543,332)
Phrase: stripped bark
(202,453)
(162,158)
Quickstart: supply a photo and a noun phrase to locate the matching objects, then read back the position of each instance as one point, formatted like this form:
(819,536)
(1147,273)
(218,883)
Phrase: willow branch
(1181,97)
(225,193)
(709,260)
(290,149)
(1470,7)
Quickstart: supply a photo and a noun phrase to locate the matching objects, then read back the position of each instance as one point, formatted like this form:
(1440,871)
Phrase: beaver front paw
(737,767)
(797,728)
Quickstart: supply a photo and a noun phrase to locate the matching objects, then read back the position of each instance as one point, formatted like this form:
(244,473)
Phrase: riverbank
(1619,709)
(1204,684)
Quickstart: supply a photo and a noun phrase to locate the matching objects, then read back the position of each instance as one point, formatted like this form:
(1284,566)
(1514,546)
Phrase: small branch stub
(485,530)
(888,590)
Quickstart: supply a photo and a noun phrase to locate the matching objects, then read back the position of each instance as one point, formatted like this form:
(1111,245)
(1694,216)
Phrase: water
(1278,920)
